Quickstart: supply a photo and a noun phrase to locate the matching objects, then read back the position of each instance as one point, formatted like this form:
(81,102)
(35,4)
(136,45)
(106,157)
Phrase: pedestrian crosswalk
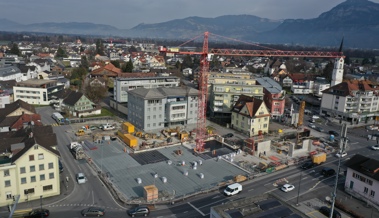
(82,205)
(55,124)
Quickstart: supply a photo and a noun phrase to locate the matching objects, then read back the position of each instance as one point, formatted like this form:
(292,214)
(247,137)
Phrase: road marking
(196,209)
(213,203)
(217,196)
(93,198)
(271,190)
(250,190)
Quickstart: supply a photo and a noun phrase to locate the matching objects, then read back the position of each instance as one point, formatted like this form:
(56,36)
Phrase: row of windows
(372,193)
(362,179)
(27,97)
(154,124)
(29,191)
(32,92)
(42,177)
(40,156)
(32,168)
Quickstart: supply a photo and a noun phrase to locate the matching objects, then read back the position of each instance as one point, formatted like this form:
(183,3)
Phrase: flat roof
(36,82)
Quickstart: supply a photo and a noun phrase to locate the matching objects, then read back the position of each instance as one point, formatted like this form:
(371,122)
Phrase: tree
(178,65)
(132,49)
(78,73)
(61,53)
(328,71)
(187,62)
(347,60)
(84,62)
(95,93)
(15,50)
(365,61)
(373,60)
(116,63)
(128,67)
(99,47)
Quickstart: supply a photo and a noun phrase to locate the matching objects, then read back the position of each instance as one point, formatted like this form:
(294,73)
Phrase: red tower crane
(204,69)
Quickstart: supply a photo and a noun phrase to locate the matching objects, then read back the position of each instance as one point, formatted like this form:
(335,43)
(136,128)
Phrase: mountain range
(355,20)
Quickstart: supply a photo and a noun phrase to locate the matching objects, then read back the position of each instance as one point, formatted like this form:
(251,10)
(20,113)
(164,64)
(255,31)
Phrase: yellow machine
(301,114)
(80,132)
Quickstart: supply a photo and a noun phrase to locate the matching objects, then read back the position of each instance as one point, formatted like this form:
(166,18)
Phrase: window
(154,116)
(42,177)
(372,193)
(48,187)
(22,170)
(266,118)
(23,180)
(264,125)
(42,167)
(33,179)
(51,175)
(365,190)
(7,183)
(40,156)
(6,172)
(51,165)
(32,168)
(9,195)
(31,157)
(29,191)
(148,117)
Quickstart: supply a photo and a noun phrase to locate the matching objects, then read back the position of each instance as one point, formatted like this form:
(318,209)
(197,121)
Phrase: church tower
(337,75)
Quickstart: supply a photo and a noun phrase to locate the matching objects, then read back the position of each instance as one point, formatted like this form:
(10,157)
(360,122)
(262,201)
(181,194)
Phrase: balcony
(218,103)
(219,97)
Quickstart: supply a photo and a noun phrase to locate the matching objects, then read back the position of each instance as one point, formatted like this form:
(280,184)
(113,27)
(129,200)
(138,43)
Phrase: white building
(36,91)
(362,179)
(351,100)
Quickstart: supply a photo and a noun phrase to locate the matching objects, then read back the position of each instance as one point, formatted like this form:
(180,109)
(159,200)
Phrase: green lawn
(104,112)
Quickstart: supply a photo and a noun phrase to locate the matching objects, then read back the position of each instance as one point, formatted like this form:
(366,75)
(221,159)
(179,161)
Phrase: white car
(375,147)
(313,126)
(315,117)
(81,178)
(287,187)
(341,155)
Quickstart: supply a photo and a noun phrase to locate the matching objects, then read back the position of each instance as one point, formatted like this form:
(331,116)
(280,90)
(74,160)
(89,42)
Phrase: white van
(233,189)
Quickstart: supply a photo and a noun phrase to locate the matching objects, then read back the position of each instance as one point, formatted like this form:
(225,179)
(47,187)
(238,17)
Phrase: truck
(319,158)
(58,118)
(77,150)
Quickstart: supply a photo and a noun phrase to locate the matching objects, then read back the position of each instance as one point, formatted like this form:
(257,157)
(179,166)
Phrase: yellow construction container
(128,127)
(150,192)
(239,178)
(130,140)
(319,158)
(183,135)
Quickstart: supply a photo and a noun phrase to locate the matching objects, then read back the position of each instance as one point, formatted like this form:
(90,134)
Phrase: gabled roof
(9,108)
(364,165)
(302,76)
(347,88)
(252,104)
(62,94)
(72,98)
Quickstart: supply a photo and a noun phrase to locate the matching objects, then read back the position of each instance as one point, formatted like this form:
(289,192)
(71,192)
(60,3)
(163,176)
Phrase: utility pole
(16,199)
(341,150)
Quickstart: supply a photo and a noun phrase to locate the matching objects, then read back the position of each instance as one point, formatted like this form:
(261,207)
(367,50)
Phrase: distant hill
(355,20)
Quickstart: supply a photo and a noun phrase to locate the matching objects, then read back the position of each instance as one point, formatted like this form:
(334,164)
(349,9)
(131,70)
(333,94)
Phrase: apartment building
(362,178)
(352,100)
(133,81)
(250,116)
(36,91)
(156,108)
(29,165)
(224,92)
(274,96)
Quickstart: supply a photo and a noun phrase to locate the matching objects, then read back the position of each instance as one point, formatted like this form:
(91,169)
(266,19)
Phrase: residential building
(131,81)
(78,105)
(225,91)
(250,116)
(362,178)
(36,91)
(156,108)
(29,165)
(352,100)
(320,85)
(17,115)
(10,73)
(109,70)
(4,99)
(274,96)
(41,65)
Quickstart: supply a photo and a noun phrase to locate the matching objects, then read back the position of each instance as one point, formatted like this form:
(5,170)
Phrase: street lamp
(298,190)
(40,197)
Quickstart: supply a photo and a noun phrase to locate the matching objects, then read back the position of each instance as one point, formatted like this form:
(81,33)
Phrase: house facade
(224,93)
(78,105)
(362,178)
(10,73)
(156,108)
(36,91)
(352,100)
(29,166)
(274,96)
(250,116)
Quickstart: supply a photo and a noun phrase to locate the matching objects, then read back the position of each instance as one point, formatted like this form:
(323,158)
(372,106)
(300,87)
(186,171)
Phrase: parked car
(326,172)
(311,121)
(339,154)
(315,117)
(332,132)
(375,147)
(326,211)
(93,211)
(307,165)
(319,129)
(229,135)
(313,126)
(80,178)
(38,213)
(139,211)
(287,187)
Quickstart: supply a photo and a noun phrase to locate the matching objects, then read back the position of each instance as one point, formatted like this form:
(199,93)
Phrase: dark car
(229,135)
(326,171)
(93,211)
(319,129)
(38,213)
(326,211)
(139,211)
(307,165)
(332,132)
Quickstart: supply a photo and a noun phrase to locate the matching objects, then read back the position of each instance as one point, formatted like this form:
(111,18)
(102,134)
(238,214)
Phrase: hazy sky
(129,13)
